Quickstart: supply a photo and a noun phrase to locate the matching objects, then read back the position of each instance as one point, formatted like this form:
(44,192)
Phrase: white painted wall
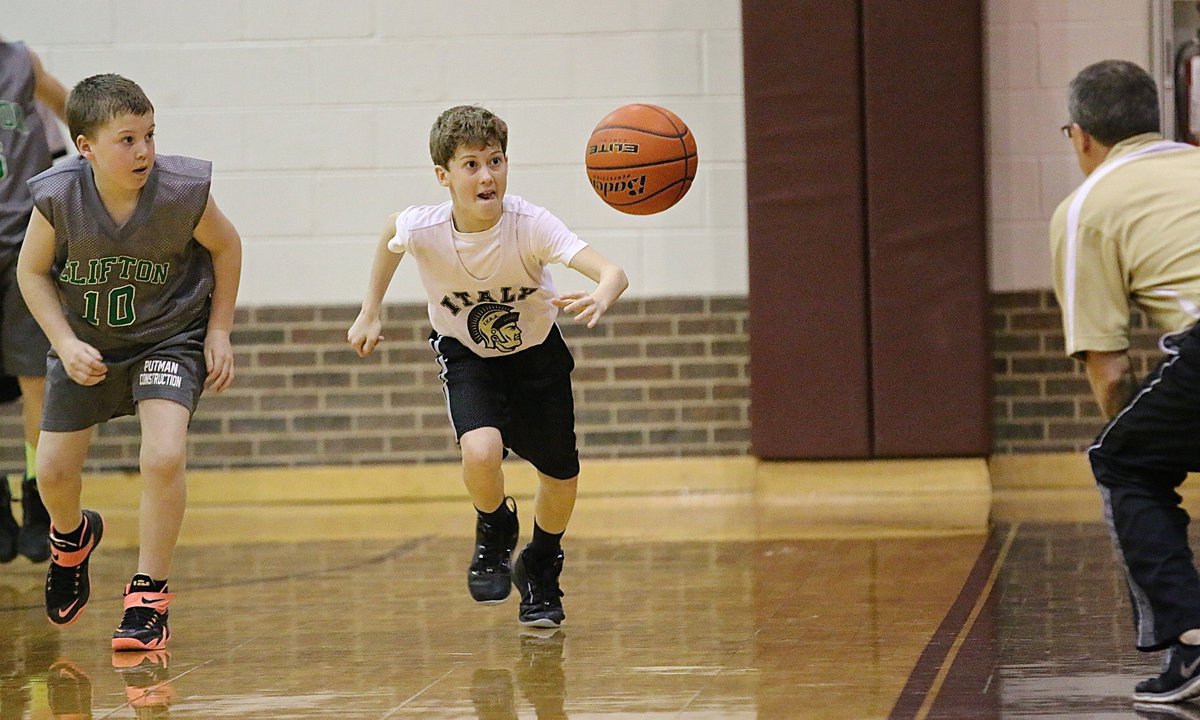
(316,114)
(1034,48)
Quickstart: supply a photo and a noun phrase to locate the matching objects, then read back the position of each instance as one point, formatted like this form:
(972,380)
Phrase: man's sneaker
(144,626)
(34,540)
(1179,681)
(147,682)
(537,581)
(68,583)
(68,691)
(9,530)
(490,573)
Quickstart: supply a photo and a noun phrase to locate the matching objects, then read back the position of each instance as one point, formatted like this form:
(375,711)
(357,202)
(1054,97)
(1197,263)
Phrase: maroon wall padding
(808,333)
(928,286)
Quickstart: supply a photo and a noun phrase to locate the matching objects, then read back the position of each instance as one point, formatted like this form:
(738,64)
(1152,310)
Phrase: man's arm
(1111,376)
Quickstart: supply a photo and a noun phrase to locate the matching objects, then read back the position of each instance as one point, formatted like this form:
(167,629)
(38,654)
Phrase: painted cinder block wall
(316,113)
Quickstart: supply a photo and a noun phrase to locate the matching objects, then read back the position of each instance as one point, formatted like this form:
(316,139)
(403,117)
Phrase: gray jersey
(24,151)
(138,284)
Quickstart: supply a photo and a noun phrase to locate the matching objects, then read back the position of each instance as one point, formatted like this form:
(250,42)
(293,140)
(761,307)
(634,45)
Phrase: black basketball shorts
(527,396)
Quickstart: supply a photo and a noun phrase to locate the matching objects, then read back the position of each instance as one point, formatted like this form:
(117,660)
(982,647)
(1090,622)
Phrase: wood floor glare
(718,588)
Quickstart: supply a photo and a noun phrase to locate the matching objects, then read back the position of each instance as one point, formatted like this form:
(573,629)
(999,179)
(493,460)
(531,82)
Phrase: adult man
(1131,232)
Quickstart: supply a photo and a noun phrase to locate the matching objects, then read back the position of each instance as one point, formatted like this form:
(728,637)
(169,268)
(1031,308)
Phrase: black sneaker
(144,625)
(34,540)
(490,573)
(148,689)
(1179,680)
(9,530)
(68,583)
(537,581)
(68,691)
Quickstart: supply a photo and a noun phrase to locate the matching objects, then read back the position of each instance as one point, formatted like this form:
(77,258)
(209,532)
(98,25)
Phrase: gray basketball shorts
(170,370)
(23,345)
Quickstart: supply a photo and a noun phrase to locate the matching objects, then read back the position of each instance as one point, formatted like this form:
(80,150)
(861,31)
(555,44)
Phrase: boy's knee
(481,450)
(162,462)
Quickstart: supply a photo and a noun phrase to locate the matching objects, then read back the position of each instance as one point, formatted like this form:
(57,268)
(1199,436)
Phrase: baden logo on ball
(641,159)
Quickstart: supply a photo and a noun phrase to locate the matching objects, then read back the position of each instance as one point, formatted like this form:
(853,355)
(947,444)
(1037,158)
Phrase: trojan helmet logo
(494,326)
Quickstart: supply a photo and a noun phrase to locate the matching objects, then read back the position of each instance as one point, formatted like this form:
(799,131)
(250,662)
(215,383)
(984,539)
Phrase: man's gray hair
(1113,100)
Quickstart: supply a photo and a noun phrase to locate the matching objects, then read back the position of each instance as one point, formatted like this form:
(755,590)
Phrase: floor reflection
(538,676)
(148,686)
(770,630)
(1053,638)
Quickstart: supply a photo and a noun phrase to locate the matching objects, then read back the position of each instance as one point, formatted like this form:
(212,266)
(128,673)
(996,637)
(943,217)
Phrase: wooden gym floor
(695,589)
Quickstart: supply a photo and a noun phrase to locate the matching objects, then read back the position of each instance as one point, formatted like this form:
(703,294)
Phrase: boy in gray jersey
(506,371)
(132,271)
(25,151)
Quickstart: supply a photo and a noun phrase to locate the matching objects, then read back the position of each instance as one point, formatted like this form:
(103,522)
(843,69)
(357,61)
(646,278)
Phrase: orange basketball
(641,159)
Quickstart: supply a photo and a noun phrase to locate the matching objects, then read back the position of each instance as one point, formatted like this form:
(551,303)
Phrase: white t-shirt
(490,290)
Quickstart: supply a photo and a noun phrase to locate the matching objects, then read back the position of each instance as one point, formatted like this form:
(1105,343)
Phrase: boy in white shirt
(506,371)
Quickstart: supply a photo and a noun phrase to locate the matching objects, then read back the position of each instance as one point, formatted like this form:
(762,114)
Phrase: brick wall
(1042,399)
(657,377)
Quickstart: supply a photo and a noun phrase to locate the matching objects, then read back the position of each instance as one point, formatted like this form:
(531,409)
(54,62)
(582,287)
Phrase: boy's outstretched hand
(364,334)
(584,306)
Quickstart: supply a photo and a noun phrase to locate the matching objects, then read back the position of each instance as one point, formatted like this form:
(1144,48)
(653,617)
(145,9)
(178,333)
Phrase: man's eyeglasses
(1066,130)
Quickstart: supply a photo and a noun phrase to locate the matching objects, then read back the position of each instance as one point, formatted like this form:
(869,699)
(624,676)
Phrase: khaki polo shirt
(1129,233)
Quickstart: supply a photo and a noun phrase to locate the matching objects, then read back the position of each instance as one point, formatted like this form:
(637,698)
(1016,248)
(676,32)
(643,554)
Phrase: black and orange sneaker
(68,582)
(490,573)
(34,539)
(144,625)
(69,691)
(147,682)
(536,579)
(9,530)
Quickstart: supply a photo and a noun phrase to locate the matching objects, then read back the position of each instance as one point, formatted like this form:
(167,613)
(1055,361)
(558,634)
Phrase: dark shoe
(34,540)
(68,582)
(147,686)
(69,691)
(144,625)
(1179,681)
(490,573)
(537,581)
(9,530)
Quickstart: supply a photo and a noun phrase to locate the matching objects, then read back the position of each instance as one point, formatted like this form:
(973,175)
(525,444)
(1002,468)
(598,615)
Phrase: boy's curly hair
(468,125)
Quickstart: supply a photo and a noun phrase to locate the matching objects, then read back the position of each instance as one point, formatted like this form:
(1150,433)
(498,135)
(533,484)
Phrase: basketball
(641,159)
